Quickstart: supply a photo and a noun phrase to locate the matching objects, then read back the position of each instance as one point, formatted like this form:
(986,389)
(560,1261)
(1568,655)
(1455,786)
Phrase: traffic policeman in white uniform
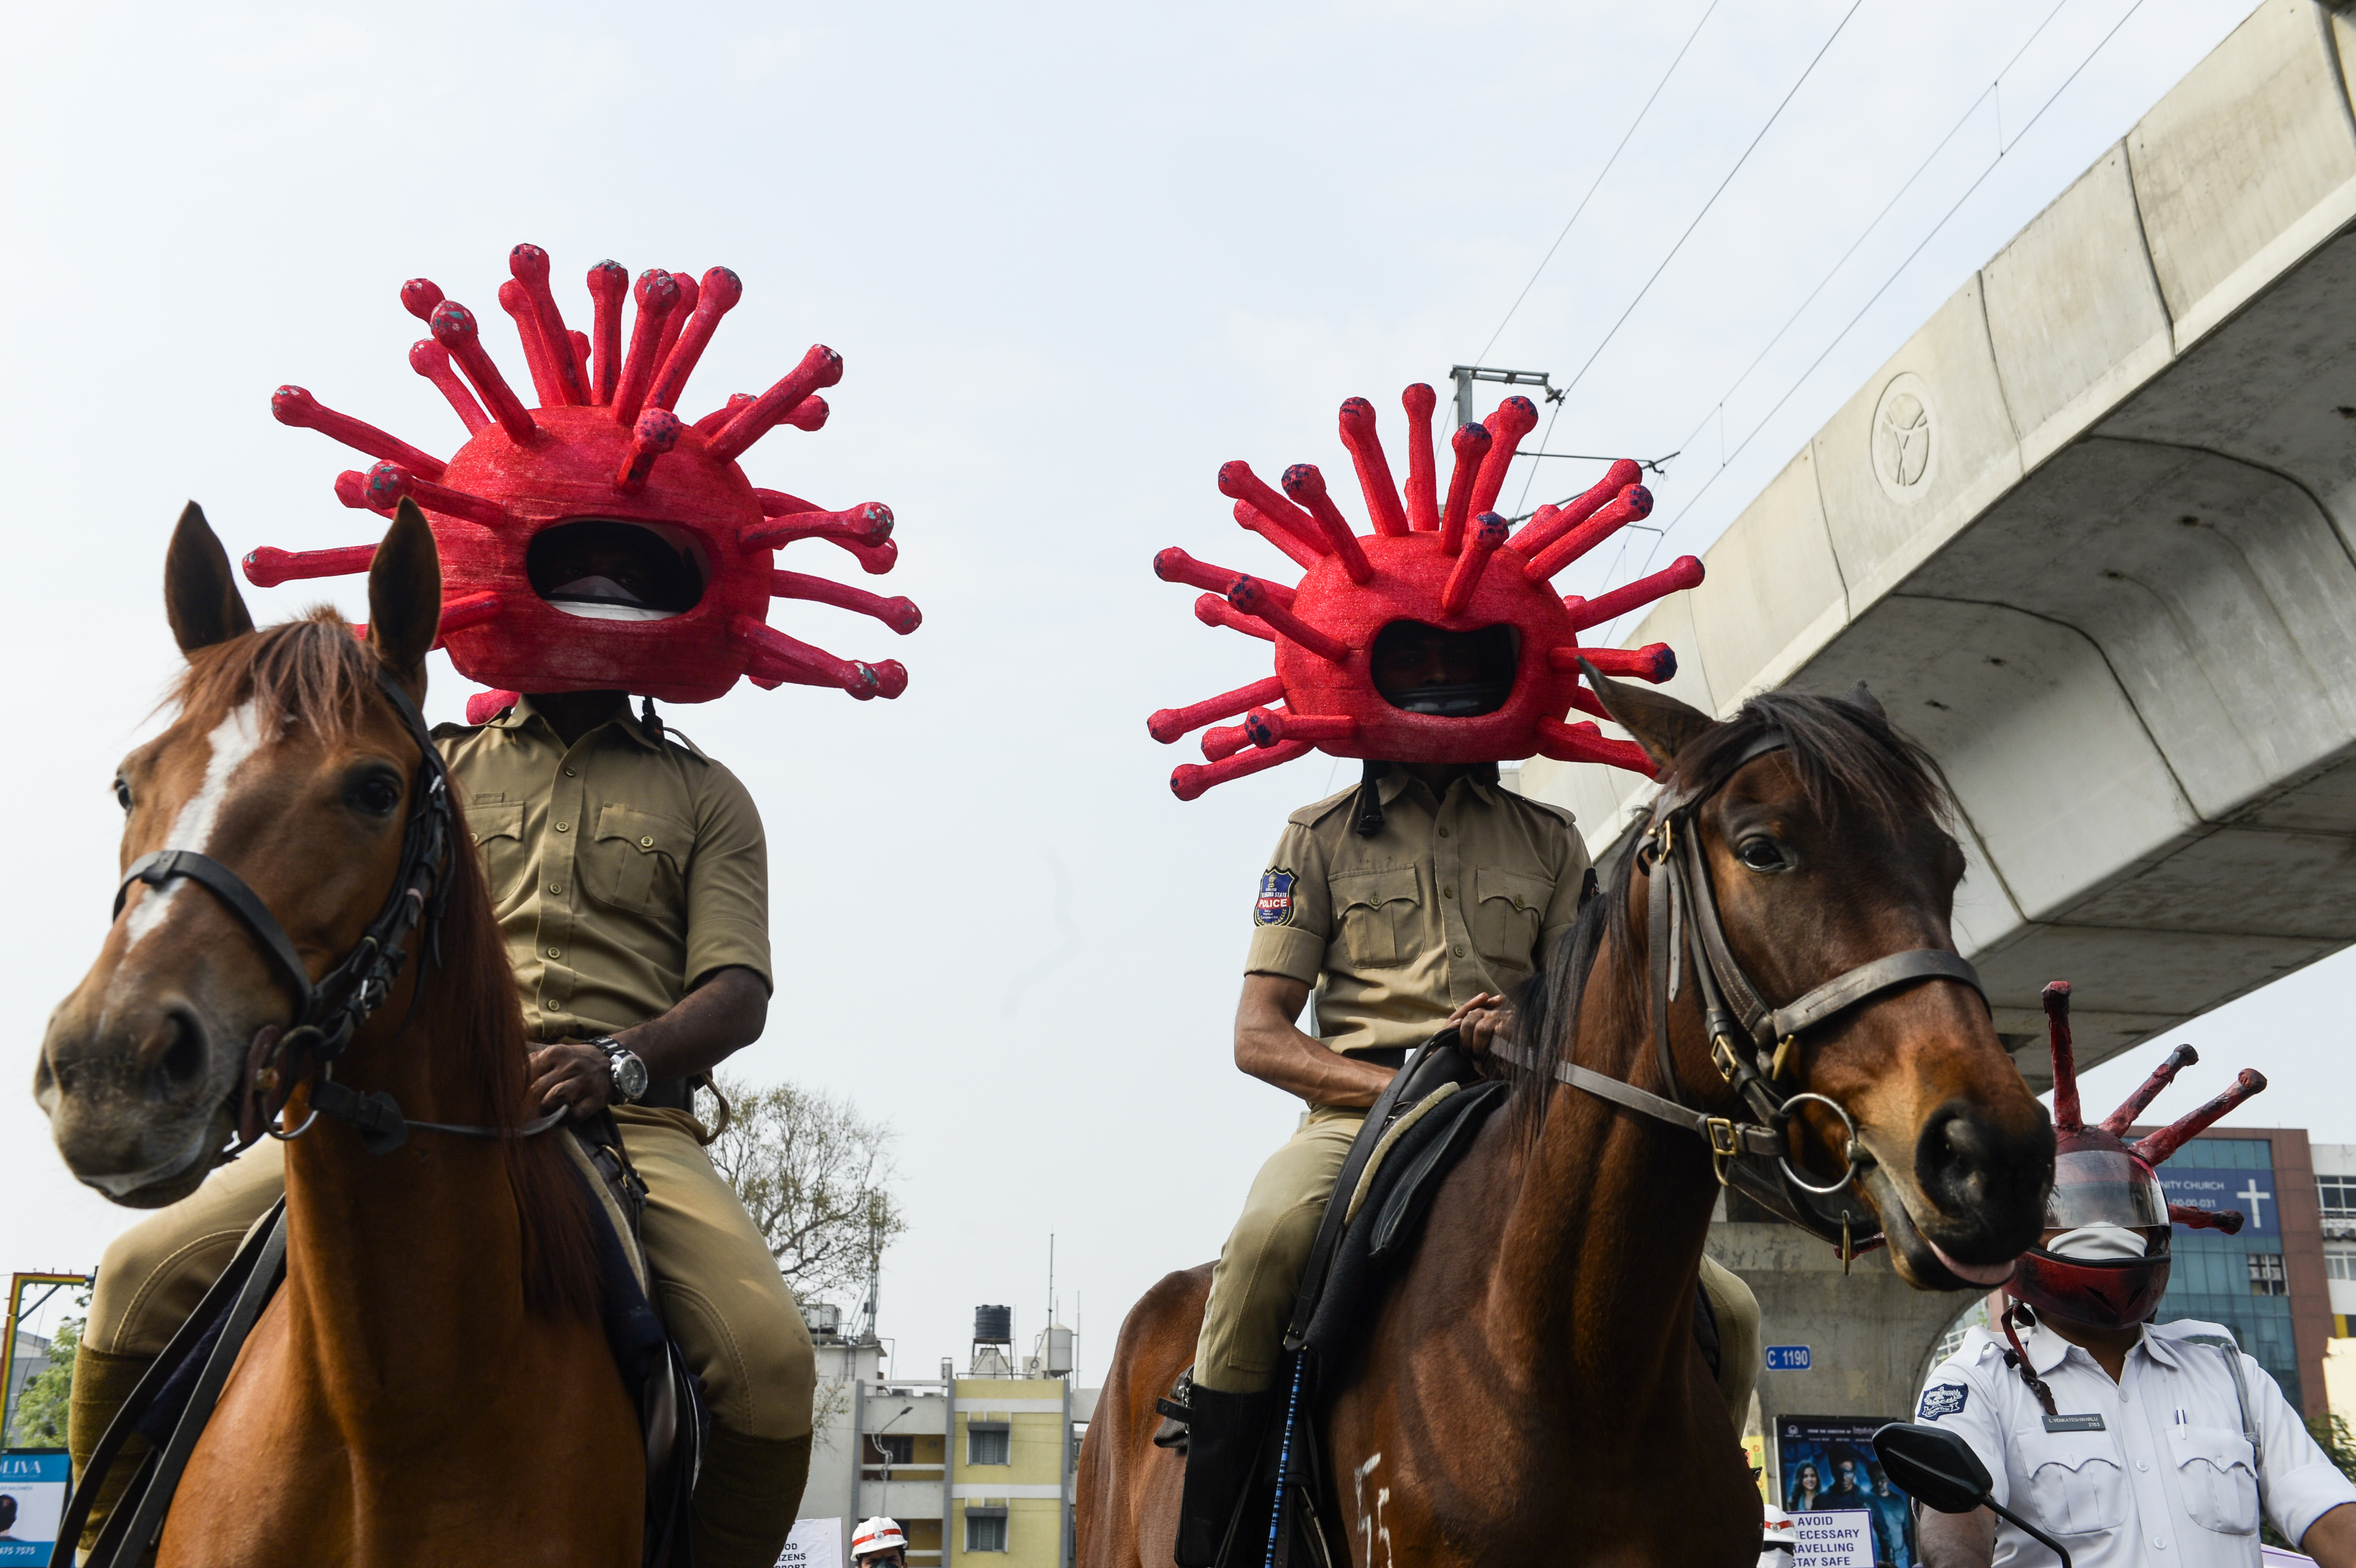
(2132,1443)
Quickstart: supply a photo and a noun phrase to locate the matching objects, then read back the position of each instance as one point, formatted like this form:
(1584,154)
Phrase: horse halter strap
(1684,927)
(329,1011)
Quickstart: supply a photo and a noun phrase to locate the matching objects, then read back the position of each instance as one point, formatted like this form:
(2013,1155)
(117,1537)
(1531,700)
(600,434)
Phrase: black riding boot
(1222,1439)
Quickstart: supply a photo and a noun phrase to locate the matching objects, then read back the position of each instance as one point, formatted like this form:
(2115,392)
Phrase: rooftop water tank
(993,1324)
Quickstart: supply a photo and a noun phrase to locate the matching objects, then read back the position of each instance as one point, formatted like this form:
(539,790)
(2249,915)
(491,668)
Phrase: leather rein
(329,1011)
(1752,1044)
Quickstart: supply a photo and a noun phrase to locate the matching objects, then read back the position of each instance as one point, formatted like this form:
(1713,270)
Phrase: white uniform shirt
(2154,1468)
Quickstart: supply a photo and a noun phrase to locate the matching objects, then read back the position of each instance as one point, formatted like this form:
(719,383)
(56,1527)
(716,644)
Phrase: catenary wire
(1595,184)
(1898,271)
(1712,202)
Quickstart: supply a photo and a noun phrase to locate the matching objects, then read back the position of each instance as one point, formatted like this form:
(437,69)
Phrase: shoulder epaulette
(1311,814)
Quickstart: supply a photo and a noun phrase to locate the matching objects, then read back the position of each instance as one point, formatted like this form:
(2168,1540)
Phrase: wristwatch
(628,1069)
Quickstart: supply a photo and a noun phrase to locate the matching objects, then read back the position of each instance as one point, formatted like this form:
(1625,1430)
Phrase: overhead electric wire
(1715,195)
(1595,184)
(1898,271)
(1563,396)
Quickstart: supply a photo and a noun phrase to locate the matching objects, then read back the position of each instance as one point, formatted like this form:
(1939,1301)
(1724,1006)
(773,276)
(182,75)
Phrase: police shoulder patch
(1274,906)
(1946,1399)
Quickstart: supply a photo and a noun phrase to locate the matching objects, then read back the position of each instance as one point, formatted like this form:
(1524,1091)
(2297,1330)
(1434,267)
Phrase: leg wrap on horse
(746,1495)
(101,1382)
(1221,1441)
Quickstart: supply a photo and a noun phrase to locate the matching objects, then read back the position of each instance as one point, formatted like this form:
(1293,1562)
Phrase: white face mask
(2101,1242)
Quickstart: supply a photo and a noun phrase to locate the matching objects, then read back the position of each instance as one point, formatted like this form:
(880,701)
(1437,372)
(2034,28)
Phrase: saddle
(1412,1137)
(172,1403)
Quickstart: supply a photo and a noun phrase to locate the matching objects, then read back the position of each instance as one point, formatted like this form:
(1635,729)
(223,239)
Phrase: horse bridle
(1751,1044)
(329,1011)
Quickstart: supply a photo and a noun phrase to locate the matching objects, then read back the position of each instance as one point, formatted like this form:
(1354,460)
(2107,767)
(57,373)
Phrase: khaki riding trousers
(720,1292)
(1259,1272)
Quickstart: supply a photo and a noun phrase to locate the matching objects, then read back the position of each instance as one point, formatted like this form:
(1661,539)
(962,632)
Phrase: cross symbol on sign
(2253,1196)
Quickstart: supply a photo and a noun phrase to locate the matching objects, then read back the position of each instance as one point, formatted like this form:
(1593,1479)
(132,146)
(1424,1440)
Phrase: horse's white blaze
(232,741)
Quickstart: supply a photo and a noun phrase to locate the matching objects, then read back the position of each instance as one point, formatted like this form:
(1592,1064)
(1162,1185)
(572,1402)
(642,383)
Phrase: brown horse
(431,1384)
(1529,1389)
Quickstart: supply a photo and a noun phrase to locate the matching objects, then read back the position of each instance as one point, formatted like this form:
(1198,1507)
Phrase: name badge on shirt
(2089,1423)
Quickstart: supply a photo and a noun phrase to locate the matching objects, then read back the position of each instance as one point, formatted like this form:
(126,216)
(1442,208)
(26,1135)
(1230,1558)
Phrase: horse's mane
(1850,760)
(322,678)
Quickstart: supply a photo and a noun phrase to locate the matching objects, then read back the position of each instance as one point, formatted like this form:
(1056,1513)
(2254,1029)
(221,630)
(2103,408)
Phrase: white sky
(1075,258)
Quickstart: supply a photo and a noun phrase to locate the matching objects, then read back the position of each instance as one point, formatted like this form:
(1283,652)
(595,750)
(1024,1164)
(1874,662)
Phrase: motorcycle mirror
(1933,1466)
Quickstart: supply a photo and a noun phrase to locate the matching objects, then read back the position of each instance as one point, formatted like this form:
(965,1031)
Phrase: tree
(40,1416)
(815,1176)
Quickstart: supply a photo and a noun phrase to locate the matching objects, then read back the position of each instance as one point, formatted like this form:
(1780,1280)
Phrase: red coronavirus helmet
(2100,1180)
(599,540)
(1456,569)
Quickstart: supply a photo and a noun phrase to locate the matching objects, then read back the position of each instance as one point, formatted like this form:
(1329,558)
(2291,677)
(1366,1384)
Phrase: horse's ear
(200,596)
(1661,724)
(405,595)
(1863,698)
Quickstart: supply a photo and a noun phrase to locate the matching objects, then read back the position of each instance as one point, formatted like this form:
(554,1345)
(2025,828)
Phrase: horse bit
(1684,926)
(330,1010)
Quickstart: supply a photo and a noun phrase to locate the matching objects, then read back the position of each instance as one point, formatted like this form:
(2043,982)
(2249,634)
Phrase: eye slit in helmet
(1421,668)
(606,570)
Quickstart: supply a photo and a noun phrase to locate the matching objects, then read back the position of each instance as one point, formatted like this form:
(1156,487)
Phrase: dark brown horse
(431,1384)
(1529,1391)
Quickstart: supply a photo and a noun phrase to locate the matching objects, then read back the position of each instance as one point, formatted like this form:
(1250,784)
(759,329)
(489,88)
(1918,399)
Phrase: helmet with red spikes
(2101,1180)
(1453,571)
(599,540)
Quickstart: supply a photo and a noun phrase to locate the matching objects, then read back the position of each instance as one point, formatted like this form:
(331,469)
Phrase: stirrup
(1178,1412)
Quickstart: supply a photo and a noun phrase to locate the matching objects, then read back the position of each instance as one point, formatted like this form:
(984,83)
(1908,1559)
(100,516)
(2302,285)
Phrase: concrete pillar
(1870,1334)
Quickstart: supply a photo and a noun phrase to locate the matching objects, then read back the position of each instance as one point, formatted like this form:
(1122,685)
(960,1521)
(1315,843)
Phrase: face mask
(2101,1242)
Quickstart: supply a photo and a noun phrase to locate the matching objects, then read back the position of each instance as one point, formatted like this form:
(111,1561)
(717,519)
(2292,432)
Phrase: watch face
(629,1076)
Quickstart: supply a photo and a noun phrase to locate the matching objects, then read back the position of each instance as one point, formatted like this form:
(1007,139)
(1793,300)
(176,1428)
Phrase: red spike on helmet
(606,449)
(1456,567)
(2098,1178)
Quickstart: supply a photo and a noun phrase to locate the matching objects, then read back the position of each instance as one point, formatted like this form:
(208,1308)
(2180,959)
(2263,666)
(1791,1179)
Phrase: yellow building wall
(1032,1409)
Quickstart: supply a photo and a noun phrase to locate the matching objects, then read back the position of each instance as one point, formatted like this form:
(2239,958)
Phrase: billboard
(2251,1191)
(1825,1465)
(32,1498)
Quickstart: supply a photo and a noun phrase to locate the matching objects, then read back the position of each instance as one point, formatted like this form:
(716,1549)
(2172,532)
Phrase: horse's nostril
(1957,1159)
(183,1060)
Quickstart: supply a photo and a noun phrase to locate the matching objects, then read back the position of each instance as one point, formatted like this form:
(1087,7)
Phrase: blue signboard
(2251,1191)
(1787,1358)
(32,1497)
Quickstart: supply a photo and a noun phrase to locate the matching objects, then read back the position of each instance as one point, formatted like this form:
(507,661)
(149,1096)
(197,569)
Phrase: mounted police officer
(629,874)
(1417,899)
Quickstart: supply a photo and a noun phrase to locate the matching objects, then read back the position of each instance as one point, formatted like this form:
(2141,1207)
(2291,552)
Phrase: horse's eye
(122,792)
(1761,854)
(376,794)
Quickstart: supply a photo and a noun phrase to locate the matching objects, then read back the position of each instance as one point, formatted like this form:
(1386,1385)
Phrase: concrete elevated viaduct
(2088,537)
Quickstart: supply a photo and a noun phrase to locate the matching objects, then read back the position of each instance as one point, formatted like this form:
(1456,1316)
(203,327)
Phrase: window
(890,1449)
(985,1527)
(2267,1274)
(988,1443)
(2340,1262)
(2339,1195)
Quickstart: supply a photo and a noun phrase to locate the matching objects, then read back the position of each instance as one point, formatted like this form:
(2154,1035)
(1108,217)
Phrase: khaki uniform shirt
(1452,898)
(622,869)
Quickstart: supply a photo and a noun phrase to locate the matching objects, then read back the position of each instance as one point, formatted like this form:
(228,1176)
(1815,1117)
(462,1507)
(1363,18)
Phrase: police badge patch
(1947,1399)
(1275,903)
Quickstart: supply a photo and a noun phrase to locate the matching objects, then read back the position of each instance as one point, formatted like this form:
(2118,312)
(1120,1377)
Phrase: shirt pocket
(497,828)
(2216,1470)
(1380,913)
(636,860)
(1508,911)
(2076,1484)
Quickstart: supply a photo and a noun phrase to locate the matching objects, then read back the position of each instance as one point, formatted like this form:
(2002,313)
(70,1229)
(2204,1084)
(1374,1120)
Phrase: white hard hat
(875,1535)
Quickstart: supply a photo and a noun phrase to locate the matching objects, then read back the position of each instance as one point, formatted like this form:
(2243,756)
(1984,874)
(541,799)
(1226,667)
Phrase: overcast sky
(1074,257)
